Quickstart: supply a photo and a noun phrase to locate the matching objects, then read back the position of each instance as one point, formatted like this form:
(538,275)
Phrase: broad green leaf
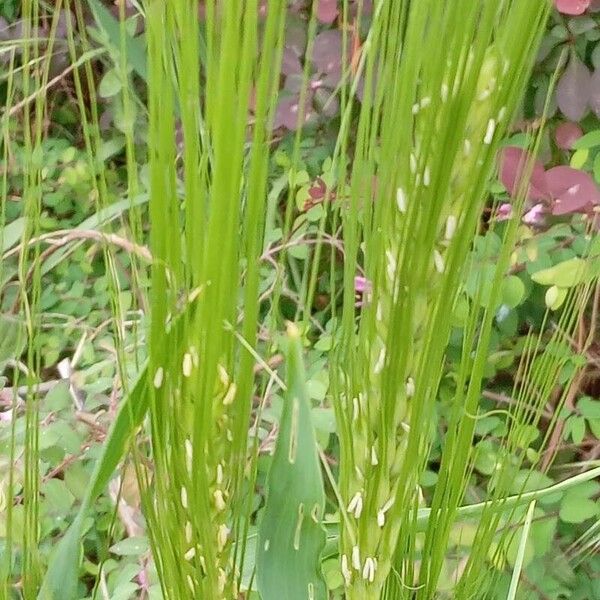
(594,425)
(135,47)
(57,497)
(125,591)
(110,84)
(555,297)
(11,233)
(133,546)
(589,140)
(542,533)
(291,536)
(566,274)
(579,158)
(577,429)
(589,408)
(577,509)
(12,337)
(513,291)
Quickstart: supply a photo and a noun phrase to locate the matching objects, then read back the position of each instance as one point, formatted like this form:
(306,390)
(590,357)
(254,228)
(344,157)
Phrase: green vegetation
(299,300)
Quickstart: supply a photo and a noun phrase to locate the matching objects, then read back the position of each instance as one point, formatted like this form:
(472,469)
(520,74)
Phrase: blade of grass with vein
(516,575)
(291,532)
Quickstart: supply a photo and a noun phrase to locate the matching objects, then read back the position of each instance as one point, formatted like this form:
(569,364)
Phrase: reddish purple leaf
(567,134)
(571,189)
(595,92)
(295,35)
(574,89)
(290,63)
(318,190)
(294,83)
(332,78)
(327,11)
(327,51)
(572,7)
(366,8)
(515,163)
(286,113)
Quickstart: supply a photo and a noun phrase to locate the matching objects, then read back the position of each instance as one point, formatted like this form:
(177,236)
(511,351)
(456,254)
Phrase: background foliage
(93,304)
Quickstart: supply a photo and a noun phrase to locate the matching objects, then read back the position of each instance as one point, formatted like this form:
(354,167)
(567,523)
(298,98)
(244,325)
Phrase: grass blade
(512,592)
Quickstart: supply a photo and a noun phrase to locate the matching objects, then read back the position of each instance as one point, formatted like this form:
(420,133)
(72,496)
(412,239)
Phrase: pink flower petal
(504,212)
(514,163)
(572,7)
(572,190)
(535,215)
(567,134)
(362,284)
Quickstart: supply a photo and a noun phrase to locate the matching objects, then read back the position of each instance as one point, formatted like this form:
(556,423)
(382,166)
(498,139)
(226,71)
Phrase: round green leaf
(513,291)
(110,85)
(575,509)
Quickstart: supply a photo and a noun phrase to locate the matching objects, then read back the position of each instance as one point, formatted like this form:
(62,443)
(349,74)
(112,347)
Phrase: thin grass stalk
(201,388)
(8,481)
(30,288)
(467,89)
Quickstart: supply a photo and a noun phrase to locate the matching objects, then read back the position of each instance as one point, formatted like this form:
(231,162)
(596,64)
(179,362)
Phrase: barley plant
(425,100)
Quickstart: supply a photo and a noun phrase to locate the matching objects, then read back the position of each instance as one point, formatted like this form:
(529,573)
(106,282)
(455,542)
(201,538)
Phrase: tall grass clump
(440,84)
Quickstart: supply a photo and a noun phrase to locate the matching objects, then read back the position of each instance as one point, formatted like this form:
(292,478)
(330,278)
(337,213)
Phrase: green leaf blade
(291,536)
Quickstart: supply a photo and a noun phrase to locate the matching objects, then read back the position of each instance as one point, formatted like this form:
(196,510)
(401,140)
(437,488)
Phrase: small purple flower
(363,288)
(504,212)
(535,215)
(362,285)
